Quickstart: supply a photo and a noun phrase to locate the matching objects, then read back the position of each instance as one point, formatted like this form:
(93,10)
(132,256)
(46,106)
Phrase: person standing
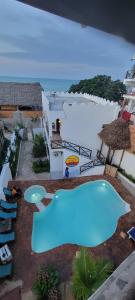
(66,172)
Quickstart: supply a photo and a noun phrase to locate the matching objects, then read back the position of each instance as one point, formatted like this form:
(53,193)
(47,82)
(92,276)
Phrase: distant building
(129,81)
(22,96)
(71,124)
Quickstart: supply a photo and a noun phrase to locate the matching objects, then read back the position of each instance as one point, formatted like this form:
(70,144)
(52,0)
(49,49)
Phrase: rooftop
(57,99)
(116,248)
(12,93)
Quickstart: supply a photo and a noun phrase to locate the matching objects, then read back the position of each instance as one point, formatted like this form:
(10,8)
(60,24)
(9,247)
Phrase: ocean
(47,83)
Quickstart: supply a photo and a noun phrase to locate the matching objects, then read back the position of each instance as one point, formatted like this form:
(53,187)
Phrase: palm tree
(88,274)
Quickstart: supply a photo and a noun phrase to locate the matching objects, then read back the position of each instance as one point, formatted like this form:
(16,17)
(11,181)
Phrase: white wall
(56,164)
(128,161)
(98,170)
(53,116)
(5,176)
(130,186)
(73,171)
(84,121)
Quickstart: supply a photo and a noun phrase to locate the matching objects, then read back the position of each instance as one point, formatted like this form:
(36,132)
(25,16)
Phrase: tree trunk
(121,158)
(112,157)
(108,154)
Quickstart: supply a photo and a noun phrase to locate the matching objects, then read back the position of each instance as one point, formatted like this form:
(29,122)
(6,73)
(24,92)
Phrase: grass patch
(41,166)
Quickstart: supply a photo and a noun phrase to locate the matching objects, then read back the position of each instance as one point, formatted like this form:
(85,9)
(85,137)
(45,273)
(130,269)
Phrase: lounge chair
(5,270)
(131,233)
(7,205)
(8,193)
(7,215)
(7,237)
(5,225)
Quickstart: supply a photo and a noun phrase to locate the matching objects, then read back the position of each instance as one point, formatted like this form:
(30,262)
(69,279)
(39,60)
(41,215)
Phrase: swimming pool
(34,194)
(86,215)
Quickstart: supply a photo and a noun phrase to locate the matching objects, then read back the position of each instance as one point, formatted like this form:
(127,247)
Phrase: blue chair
(7,215)
(7,192)
(7,237)
(131,233)
(5,270)
(7,205)
(5,225)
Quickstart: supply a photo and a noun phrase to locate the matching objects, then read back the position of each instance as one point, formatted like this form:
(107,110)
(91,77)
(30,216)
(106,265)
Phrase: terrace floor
(26,262)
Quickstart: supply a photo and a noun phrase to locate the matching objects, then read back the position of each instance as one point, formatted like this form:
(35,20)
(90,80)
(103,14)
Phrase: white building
(129,81)
(71,123)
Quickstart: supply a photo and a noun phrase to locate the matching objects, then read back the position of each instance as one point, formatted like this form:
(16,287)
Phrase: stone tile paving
(26,262)
(25,171)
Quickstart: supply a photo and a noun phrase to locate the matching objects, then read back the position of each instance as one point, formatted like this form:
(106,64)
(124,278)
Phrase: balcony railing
(57,144)
(130,74)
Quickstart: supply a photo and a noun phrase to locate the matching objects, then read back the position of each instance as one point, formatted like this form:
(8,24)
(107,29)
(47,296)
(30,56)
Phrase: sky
(35,43)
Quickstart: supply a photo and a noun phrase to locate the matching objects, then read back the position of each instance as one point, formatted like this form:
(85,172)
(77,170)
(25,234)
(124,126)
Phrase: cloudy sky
(34,43)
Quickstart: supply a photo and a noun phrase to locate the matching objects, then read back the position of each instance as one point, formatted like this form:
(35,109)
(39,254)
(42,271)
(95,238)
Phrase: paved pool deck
(26,262)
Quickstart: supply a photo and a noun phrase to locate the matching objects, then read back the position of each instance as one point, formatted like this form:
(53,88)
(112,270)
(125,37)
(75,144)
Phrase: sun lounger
(7,215)
(5,225)
(5,270)
(7,237)
(7,192)
(131,233)
(7,205)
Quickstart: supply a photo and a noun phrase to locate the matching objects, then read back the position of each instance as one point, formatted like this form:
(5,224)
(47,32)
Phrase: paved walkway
(25,171)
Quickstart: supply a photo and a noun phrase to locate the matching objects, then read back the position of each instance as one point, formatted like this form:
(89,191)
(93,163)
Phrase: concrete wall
(56,164)
(99,170)
(73,171)
(130,186)
(5,176)
(84,121)
(128,161)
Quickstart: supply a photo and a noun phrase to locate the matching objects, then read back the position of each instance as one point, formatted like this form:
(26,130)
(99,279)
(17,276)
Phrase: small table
(5,254)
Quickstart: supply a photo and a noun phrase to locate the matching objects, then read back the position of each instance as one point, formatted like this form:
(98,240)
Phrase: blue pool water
(35,194)
(87,216)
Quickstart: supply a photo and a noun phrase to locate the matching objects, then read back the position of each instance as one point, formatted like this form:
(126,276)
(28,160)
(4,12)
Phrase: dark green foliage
(40,166)
(88,274)
(39,148)
(13,160)
(46,284)
(102,86)
(4,152)
(34,118)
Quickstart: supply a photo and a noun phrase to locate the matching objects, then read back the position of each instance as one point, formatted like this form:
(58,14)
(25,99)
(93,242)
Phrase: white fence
(5,176)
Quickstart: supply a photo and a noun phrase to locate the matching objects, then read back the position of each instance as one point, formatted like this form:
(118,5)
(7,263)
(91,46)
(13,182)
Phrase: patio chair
(5,270)
(7,215)
(7,205)
(131,233)
(7,237)
(8,193)
(5,225)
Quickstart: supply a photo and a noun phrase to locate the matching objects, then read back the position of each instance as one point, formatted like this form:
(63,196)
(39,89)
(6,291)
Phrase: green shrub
(88,274)
(34,118)
(40,166)
(4,152)
(46,284)
(13,160)
(39,148)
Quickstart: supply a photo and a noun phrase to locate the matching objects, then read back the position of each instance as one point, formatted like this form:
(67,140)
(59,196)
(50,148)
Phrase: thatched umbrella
(116,136)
